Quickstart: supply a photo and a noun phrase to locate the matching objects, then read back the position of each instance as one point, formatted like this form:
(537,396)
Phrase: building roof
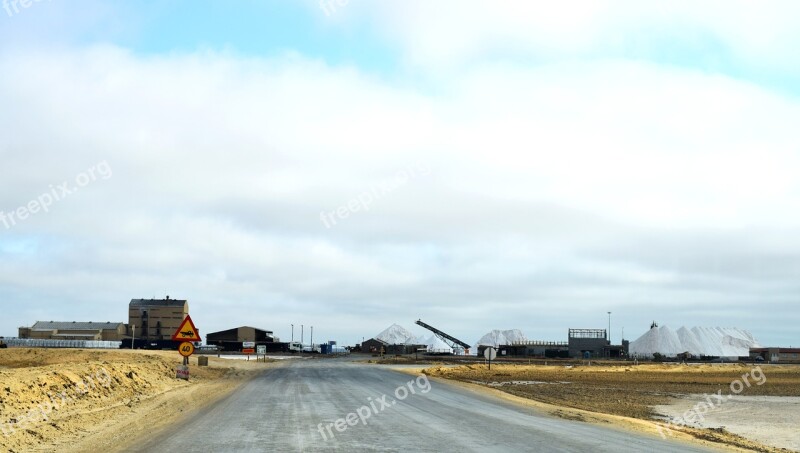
(63,325)
(242,327)
(779,350)
(75,335)
(158,302)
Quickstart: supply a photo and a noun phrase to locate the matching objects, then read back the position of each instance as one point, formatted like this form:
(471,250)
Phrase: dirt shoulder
(625,395)
(99,400)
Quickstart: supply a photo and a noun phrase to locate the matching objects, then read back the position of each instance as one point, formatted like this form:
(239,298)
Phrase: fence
(39,343)
(539,343)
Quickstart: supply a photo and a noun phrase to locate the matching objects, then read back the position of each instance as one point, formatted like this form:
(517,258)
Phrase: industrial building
(377,346)
(374,346)
(156,319)
(404,349)
(580,344)
(93,331)
(587,343)
(232,339)
(535,348)
(774,355)
(151,323)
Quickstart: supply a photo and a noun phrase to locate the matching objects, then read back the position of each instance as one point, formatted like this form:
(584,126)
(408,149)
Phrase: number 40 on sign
(186,349)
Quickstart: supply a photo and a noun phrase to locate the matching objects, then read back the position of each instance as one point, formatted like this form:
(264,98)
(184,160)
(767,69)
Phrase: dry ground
(99,400)
(628,391)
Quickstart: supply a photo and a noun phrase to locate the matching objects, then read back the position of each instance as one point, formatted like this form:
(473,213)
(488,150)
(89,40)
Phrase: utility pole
(312,338)
(133,338)
(609,327)
(292,333)
(301,335)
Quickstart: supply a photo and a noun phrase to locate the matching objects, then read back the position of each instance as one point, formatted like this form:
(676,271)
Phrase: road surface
(295,408)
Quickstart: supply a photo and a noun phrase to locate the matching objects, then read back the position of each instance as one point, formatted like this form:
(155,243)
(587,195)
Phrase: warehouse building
(93,331)
(232,339)
(374,346)
(580,344)
(156,319)
(404,349)
(536,348)
(775,355)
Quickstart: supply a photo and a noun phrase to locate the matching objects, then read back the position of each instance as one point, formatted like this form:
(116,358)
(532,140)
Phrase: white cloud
(450,33)
(222,166)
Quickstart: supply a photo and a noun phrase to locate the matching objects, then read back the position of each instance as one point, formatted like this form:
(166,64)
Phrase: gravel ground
(292,407)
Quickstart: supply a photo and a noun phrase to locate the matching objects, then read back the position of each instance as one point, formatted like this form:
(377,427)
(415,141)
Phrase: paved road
(294,408)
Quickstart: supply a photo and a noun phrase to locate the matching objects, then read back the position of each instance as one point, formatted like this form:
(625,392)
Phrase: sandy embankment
(97,400)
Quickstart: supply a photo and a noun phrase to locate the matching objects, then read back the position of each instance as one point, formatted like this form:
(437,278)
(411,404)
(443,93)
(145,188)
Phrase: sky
(348,165)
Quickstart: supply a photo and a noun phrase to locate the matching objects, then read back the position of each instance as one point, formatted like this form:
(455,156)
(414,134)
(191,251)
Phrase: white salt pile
(499,337)
(437,346)
(699,341)
(396,334)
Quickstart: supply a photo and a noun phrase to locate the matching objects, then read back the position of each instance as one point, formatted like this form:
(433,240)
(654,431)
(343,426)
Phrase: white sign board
(490,353)
(261,350)
(182,372)
(248,344)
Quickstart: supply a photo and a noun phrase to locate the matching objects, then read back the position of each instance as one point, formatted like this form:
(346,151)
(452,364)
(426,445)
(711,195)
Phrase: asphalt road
(294,408)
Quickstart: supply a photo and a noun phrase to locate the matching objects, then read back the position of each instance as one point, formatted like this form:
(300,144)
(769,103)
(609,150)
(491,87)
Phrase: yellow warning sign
(187,331)
(186,349)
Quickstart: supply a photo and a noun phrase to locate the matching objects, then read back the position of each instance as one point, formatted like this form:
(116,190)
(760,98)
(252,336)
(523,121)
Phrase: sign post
(248,347)
(490,353)
(186,333)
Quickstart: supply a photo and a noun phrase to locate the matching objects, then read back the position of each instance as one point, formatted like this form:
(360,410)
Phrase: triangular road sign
(187,331)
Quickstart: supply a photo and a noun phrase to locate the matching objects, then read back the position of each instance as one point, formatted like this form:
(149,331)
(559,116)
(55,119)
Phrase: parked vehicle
(295,346)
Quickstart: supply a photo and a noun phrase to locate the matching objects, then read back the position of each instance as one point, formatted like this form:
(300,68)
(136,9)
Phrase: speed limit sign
(186,349)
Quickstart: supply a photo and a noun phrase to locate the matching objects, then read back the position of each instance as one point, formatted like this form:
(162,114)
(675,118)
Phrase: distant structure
(232,339)
(93,331)
(775,355)
(151,324)
(580,344)
(531,348)
(587,343)
(374,346)
(394,340)
(459,347)
(156,319)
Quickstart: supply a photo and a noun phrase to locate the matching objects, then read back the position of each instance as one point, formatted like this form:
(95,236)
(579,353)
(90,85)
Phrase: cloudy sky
(353,164)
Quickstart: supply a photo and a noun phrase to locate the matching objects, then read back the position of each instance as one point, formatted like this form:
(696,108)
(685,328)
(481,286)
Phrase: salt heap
(699,341)
(437,346)
(396,334)
(499,337)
